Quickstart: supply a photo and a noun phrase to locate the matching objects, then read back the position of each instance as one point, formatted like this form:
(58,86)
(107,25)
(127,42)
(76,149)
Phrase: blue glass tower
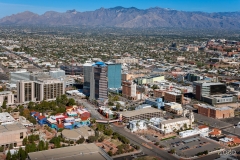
(114,75)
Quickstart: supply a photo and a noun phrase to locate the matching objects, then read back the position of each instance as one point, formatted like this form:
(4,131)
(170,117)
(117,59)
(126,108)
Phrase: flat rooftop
(11,127)
(6,117)
(83,151)
(219,96)
(5,92)
(215,108)
(208,83)
(175,120)
(76,133)
(174,93)
(140,111)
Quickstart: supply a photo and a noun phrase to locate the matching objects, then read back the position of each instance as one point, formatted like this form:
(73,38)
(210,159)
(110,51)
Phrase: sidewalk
(127,154)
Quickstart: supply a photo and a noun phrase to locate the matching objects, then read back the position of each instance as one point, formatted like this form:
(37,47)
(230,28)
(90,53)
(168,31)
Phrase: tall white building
(48,89)
(45,89)
(25,91)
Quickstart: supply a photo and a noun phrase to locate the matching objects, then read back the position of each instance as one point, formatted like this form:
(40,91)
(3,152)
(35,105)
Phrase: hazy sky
(9,7)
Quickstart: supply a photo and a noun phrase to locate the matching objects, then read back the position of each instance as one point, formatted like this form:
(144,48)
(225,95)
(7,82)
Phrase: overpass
(107,121)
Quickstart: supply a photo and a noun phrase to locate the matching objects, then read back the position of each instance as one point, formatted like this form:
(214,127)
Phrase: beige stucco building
(43,89)
(7,96)
(12,134)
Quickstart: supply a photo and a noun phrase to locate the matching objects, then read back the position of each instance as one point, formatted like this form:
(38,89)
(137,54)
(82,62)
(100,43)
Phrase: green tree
(110,153)
(41,146)
(56,141)
(80,141)
(71,102)
(9,109)
(172,151)
(22,154)
(8,155)
(118,106)
(108,132)
(31,105)
(46,146)
(101,139)
(93,120)
(116,98)
(64,99)
(155,87)
(24,142)
(92,139)
(4,105)
(110,103)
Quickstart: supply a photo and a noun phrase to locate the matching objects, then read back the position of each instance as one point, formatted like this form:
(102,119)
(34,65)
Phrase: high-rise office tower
(114,75)
(99,81)
(87,67)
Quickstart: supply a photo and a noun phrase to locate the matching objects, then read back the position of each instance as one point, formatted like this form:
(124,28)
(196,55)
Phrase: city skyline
(9,7)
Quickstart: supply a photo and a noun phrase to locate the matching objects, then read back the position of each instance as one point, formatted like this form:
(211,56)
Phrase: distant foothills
(129,18)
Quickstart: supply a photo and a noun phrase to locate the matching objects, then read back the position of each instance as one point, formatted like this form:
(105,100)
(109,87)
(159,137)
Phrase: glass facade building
(114,75)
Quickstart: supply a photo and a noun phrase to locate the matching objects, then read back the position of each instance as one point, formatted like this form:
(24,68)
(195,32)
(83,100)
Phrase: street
(156,151)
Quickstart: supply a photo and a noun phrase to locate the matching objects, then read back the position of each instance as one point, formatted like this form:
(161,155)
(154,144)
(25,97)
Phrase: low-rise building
(215,112)
(141,114)
(215,132)
(159,93)
(126,60)
(76,134)
(6,118)
(12,134)
(149,79)
(172,125)
(7,96)
(173,107)
(173,97)
(220,99)
(136,125)
(83,151)
(129,89)
(158,103)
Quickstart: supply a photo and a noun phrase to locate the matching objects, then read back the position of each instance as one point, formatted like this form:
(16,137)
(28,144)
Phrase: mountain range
(129,18)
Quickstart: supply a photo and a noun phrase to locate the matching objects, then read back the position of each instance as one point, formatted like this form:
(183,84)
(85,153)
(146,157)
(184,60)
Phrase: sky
(9,7)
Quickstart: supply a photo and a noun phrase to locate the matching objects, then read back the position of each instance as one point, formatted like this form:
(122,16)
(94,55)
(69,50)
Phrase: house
(215,132)
(41,119)
(230,140)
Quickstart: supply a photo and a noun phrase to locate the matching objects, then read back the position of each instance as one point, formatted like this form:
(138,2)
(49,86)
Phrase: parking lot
(190,146)
(211,121)
(233,120)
